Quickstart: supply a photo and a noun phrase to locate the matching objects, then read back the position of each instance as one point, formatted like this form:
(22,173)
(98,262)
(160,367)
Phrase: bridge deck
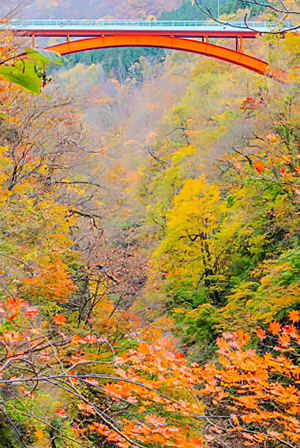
(93,28)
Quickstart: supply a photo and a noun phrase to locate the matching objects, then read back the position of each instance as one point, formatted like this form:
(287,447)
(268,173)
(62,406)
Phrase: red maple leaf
(282,172)
(259,166)
(30,311)
(61,413)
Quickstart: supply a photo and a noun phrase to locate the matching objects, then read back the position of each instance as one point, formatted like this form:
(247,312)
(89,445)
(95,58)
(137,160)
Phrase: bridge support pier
(239,44)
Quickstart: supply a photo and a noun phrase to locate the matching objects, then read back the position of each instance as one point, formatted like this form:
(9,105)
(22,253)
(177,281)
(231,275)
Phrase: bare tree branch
(281,28)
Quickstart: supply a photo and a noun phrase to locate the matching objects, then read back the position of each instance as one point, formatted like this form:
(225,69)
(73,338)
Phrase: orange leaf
(245,338)
(259,166)
(216,429)
(284,340)
(13,336)
(261,334)
(85,407)
(39,434)
(294,316)
(209,438)
(61,413)
(119,360)
(132,400)
(223,345)
(234,419)
(274,327)
(274,434)
(144,349)
(292,331)
(12,315)
(272,137)
(298,168)
(237,165)
(59,319)
(26,392)
(13,304)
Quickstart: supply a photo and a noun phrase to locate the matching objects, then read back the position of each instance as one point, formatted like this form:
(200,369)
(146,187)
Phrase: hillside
(92,9)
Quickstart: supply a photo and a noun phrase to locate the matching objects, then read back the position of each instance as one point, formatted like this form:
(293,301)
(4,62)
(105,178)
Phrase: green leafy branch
(29,70)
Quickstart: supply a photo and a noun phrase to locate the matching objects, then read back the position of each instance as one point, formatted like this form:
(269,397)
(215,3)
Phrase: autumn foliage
(242,396)
(258,388)
(149,256)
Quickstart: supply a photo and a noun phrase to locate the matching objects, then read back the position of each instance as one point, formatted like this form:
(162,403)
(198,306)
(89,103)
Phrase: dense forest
(149,244)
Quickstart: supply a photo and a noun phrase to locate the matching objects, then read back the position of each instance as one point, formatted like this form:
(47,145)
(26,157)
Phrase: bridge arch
(174,43)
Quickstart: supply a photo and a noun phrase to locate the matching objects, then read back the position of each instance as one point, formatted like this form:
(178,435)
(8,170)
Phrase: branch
(109,421)
(110,378)
(246,26)
(91,216)
(285,10)
(73,142)
(61,182)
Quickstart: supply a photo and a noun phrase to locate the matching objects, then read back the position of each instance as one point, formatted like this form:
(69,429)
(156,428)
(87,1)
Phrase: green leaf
(45,56)
(28,72)
(28,76)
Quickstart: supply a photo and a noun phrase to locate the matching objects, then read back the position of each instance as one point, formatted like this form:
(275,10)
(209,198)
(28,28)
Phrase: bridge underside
(193,34)
(174,43)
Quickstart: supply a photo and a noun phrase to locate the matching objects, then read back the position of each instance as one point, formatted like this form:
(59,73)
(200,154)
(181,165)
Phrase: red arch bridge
(191,36)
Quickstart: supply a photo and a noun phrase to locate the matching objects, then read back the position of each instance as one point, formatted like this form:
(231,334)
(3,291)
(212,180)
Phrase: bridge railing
(123,24)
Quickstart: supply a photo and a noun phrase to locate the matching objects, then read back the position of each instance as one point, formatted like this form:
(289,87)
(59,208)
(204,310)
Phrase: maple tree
(69,364)
(153,379)
(259,388)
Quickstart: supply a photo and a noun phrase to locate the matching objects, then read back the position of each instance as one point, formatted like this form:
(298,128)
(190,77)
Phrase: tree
(193,236)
